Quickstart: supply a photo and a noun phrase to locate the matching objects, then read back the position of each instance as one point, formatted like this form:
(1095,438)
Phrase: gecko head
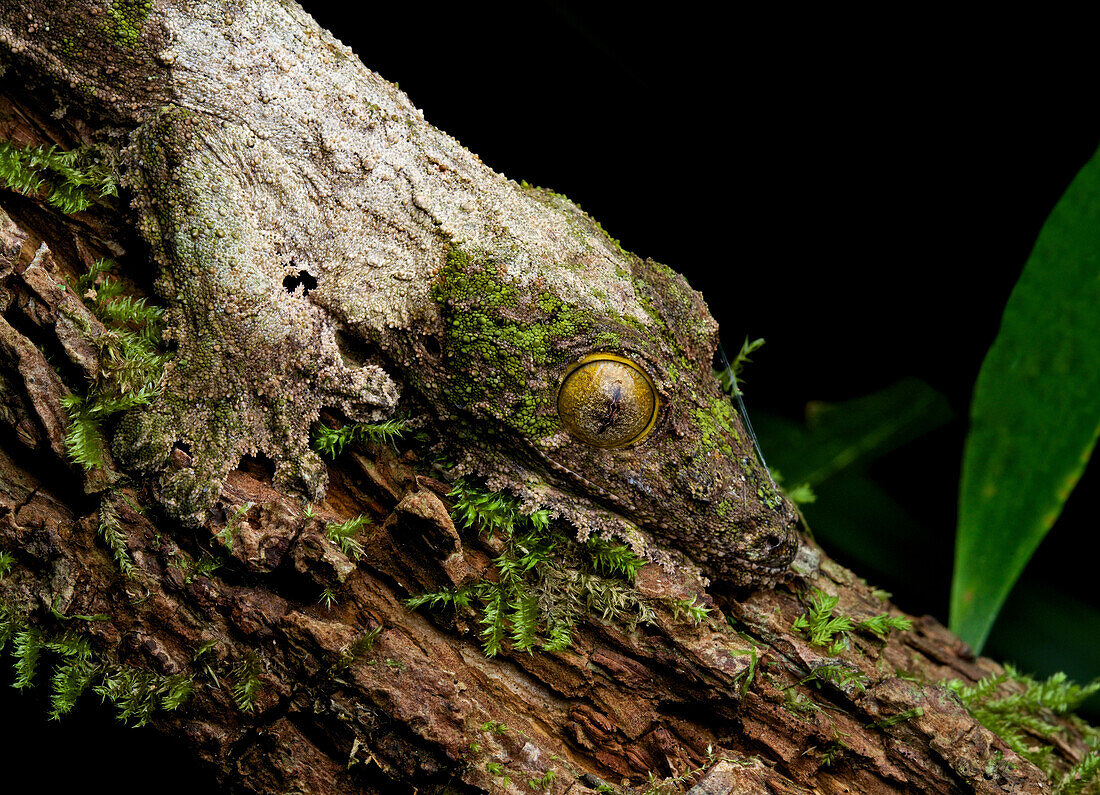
(595,387)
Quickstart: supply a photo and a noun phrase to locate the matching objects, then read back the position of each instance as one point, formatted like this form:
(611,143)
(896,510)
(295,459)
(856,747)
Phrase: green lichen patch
(125,19)
(717,428)
(500,338)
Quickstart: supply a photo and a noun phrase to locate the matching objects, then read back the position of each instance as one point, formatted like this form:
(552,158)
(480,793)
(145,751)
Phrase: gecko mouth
(756,560)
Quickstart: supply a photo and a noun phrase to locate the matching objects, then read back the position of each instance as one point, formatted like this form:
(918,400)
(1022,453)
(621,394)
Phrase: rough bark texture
(741,700)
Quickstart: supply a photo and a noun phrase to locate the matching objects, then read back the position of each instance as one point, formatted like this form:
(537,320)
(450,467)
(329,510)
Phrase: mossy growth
(823,626)
(246,683)
(545,581)
(136,693)
(495,333)
(130,363)
(109,530)
(70,181)
(356,650)
(343,534)
(1023,721)
(691,608)
(674,785)
(332,441)
(729,376)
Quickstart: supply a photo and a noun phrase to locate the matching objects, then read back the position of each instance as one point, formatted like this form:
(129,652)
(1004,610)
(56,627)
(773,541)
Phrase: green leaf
(1035,414)
(852,516)
(849,435)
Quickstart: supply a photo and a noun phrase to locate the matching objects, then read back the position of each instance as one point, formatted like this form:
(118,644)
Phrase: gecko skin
(262,148)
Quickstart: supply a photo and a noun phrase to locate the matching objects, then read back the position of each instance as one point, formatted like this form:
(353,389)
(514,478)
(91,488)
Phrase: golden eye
(607,401)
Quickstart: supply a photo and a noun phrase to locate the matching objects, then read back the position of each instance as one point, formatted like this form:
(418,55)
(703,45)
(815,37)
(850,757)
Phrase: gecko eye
(607,401)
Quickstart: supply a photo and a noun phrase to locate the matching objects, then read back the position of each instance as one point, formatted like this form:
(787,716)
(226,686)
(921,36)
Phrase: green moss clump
(544,580)
(135,692)
(1024,721)
(70,180)
(130,364)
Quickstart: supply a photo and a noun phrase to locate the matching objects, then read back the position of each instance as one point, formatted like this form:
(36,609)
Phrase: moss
(77,668)
(130,364)
(69,180)
(1023,720)
(544,580)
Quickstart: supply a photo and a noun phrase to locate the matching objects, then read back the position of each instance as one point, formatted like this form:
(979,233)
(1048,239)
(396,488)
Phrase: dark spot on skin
(303,279)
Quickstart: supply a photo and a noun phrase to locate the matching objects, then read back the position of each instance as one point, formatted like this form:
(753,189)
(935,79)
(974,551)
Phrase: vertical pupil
(611,409)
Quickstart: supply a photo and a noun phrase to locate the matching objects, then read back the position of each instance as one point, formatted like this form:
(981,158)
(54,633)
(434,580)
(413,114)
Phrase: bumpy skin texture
(256,157)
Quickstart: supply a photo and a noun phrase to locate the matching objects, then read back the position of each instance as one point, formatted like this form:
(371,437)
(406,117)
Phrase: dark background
(862,192)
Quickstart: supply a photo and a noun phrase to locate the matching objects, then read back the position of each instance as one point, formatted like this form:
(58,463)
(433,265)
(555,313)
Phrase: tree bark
(364,694)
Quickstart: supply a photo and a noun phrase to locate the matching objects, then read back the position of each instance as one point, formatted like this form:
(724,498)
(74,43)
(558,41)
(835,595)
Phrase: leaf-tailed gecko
(551,362)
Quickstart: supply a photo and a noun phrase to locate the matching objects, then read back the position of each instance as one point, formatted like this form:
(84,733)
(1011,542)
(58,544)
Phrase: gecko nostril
(432,347)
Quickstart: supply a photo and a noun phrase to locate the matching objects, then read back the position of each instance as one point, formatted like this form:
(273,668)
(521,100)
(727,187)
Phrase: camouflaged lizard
(550,361)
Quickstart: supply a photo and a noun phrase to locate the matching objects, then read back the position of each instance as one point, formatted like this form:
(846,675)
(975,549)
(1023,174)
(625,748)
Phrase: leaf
(1035,414)
(852,516)
(851,434)
(861,525)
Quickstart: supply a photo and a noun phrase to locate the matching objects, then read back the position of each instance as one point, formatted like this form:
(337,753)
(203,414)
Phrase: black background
(861,191)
